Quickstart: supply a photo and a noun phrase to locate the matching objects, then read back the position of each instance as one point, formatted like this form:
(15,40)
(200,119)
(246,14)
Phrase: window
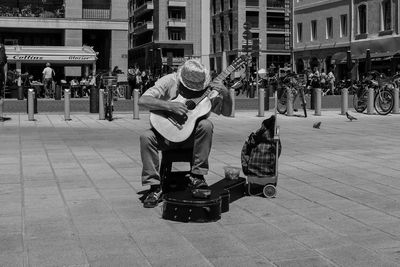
(343,25)
(176,35)
(386,22)
(230,21)
(222,43)
(362,19)
(222,5)
(213,45)
(299,32)
(230,41)
(222,23)
(252,18)
(329,28)
(313,30)
(214,27)
(251,2)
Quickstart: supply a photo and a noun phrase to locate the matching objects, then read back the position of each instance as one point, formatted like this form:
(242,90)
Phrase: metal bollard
(67,104)
(1,108)
(102,116)
(289,102)
(261,95)
(232,93)
(31,96)
(396,101)
(318,100)
(370,107)
(344,101)
(136,104)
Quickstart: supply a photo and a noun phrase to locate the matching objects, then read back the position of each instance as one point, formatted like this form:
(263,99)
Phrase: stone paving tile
(78,203)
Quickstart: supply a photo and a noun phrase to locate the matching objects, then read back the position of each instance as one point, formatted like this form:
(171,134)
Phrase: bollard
(370,107)
(232,94)
(396,101)
(289,102)
(1,108)
(344,101)
(136,104)
(102,116)
(318,100)
(266,98)
(31,96)
(261,99)
(67,104)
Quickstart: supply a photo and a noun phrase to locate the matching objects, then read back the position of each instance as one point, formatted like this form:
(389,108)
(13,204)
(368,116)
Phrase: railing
(275,4)
(276,27)
(96,13)
(276,46)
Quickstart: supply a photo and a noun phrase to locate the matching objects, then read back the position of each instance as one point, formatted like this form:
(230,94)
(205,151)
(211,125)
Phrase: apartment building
(164,33)
(325,30)
(99,26)
(270,21)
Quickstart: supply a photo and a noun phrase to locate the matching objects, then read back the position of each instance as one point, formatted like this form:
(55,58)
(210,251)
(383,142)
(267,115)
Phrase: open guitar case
(180,205)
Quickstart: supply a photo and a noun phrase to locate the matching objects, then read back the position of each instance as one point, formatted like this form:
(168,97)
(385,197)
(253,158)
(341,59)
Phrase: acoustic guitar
(177,128)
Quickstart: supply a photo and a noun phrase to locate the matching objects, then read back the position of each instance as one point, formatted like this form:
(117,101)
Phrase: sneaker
(153,198)
(197,182)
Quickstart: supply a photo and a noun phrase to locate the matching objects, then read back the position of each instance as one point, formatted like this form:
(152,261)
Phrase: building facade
(325,30)
(321,33)
(270,22)
(164,33)
(100,24)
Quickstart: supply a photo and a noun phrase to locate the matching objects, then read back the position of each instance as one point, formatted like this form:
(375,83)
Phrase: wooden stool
(170,156)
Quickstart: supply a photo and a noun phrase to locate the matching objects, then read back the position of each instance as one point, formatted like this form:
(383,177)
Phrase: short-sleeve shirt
(48,73)
(165,88)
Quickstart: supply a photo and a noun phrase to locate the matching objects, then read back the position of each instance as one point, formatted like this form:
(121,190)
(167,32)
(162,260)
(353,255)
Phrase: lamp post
(247,35)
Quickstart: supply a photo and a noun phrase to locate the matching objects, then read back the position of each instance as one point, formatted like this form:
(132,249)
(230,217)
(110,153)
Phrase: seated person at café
(84,83)
(75,87)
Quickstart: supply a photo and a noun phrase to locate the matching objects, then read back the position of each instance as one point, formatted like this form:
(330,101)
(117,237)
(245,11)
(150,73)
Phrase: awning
(339,58)
(68,55)
(377,55)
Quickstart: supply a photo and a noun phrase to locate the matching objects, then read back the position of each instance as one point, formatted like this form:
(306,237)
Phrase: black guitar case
(181,206)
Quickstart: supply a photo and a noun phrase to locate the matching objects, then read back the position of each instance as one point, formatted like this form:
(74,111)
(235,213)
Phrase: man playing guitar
(191,81)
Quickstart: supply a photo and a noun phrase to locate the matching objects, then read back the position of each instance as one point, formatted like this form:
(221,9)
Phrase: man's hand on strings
(177,108)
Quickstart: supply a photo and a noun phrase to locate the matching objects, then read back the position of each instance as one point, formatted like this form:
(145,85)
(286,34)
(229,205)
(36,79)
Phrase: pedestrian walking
(48,76)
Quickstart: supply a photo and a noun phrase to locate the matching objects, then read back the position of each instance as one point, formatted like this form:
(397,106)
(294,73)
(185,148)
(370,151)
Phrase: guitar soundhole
(190,104)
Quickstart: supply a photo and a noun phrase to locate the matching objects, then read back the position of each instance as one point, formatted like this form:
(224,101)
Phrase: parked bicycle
(297,89)
(383,96)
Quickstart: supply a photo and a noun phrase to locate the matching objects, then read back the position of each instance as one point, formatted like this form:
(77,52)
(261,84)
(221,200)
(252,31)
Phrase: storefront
(75,61)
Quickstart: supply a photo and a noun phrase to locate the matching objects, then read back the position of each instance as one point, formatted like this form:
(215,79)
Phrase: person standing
(3,62)
(48,75)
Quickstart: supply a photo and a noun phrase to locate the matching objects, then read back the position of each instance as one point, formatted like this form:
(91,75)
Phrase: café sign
(28,57)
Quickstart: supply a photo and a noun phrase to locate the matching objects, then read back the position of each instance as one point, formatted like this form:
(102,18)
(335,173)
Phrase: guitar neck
(222,76)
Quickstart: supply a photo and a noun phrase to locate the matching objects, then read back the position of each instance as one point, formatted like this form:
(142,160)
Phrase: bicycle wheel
(384,102)
(281,103)
(360,100)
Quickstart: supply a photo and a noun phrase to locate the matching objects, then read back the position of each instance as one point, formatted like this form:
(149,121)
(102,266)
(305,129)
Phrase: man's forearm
(153,103)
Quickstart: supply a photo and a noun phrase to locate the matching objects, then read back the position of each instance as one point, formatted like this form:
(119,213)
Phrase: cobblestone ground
(69,196)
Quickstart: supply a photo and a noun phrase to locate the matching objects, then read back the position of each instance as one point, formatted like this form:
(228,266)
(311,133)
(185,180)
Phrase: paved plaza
(69,195)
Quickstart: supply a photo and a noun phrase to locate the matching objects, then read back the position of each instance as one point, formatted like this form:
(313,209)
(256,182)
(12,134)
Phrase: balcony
(275,46)
(176,22)
(276,27)
(54,10)
(146,7)
(177,3)
(88,13)
(142,27)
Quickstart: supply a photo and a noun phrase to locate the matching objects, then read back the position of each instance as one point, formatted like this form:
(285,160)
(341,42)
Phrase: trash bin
(94,99)
(34,103)
(252,91)
(20,93)
(57,93)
